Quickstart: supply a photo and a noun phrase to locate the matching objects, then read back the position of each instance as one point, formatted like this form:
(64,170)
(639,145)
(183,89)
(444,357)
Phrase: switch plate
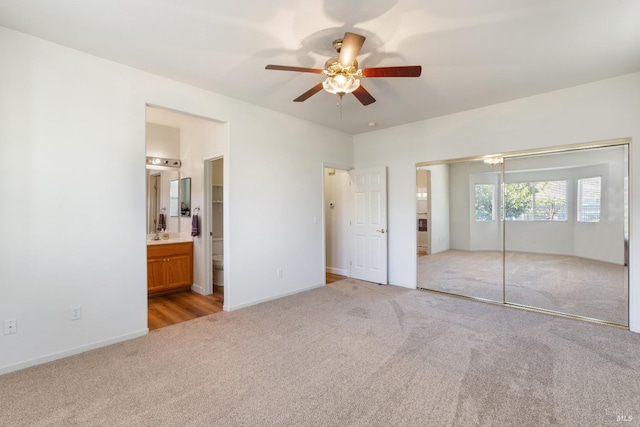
(279,273)
(10,326)
(76,312)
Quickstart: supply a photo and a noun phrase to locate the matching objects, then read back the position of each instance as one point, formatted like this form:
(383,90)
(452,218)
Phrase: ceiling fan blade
(308,94)
(363,96)
(298,69)
(351,44)
(405,71)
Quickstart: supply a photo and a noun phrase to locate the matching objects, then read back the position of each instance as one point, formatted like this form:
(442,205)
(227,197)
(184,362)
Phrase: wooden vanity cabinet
(169,267)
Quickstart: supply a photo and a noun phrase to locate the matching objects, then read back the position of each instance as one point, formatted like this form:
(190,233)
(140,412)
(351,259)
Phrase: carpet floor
(560,283)
(349,354)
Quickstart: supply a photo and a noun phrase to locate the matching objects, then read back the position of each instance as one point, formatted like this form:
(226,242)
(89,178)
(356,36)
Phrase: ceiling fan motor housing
(333,68)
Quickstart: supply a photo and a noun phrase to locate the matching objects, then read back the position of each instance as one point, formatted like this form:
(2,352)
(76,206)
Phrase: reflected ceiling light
(494,160)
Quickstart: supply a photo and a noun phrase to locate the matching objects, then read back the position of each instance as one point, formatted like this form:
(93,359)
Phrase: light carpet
(560,283)
(349,354)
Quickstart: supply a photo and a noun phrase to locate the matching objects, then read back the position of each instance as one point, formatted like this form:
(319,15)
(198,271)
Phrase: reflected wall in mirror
(185,197)
(547,231)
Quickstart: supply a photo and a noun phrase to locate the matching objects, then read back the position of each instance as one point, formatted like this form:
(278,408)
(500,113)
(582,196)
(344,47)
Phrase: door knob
(382,230)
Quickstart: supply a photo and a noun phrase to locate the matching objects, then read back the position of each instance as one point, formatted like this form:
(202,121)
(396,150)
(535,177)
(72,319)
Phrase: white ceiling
(473,52)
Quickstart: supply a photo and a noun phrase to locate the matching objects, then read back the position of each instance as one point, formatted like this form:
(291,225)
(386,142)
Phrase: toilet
(218,262)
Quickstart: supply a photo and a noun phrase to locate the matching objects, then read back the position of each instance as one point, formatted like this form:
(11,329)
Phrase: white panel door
(368,224)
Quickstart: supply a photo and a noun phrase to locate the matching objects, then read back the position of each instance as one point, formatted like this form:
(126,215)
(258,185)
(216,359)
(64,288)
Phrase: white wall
(67,121)
(162,141)
(336,192)
(603,110)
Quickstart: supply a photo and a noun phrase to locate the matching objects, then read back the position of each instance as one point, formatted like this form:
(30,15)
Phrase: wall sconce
(159,161)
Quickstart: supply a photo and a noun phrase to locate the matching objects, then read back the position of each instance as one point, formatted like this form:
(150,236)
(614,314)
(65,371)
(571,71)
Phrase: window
(518,201)
(535,201)
(484,202)
(550,201)
(589,193)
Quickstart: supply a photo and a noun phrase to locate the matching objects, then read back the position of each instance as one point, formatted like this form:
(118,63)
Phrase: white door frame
(206,225)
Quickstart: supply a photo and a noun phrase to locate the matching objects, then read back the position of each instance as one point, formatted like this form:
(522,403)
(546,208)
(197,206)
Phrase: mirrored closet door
(545,231)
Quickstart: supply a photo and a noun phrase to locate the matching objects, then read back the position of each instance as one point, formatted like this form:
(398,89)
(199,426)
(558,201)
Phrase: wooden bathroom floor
(182,306)
(332,278)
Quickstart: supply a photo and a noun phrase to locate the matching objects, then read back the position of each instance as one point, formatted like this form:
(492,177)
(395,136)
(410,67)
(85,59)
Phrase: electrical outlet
(76,312)
(279,273)
(10,326)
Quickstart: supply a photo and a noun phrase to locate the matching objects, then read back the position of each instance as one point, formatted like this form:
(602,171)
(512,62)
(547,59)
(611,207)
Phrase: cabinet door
(179,271)
(155,274)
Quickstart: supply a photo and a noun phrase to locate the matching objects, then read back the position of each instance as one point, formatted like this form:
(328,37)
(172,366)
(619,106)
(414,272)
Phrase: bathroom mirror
(185,197)
(161,204)
(545,230)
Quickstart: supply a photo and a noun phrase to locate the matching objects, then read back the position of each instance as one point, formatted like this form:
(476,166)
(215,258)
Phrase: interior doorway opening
(423,208)
(336,224)
(215,225)
(179,263)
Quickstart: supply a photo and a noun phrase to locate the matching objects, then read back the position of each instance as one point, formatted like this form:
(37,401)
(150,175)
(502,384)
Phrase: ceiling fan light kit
(343,74)
(341,85)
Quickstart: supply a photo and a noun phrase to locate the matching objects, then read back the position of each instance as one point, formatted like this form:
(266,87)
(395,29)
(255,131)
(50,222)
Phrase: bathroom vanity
(169,267)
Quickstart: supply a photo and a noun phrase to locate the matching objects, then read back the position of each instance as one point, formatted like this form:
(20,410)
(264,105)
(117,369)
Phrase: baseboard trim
(71,352)
(198,288)
(261,300)
(338,271)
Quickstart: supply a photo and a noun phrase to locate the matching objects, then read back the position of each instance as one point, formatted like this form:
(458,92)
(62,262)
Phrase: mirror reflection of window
(173,198)
(589,195)
(185,197)
(485,202)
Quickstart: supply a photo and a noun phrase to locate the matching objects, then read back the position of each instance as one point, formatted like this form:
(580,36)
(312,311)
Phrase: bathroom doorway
(183,140)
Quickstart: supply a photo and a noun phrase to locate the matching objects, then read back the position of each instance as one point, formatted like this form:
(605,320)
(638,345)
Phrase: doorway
(176,144)
(214,229)
(423,207)
(336,222)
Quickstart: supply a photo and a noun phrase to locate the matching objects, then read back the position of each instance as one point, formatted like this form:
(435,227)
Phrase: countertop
(170,240)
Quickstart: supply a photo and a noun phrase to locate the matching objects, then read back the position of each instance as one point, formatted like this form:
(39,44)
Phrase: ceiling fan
(343,74)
